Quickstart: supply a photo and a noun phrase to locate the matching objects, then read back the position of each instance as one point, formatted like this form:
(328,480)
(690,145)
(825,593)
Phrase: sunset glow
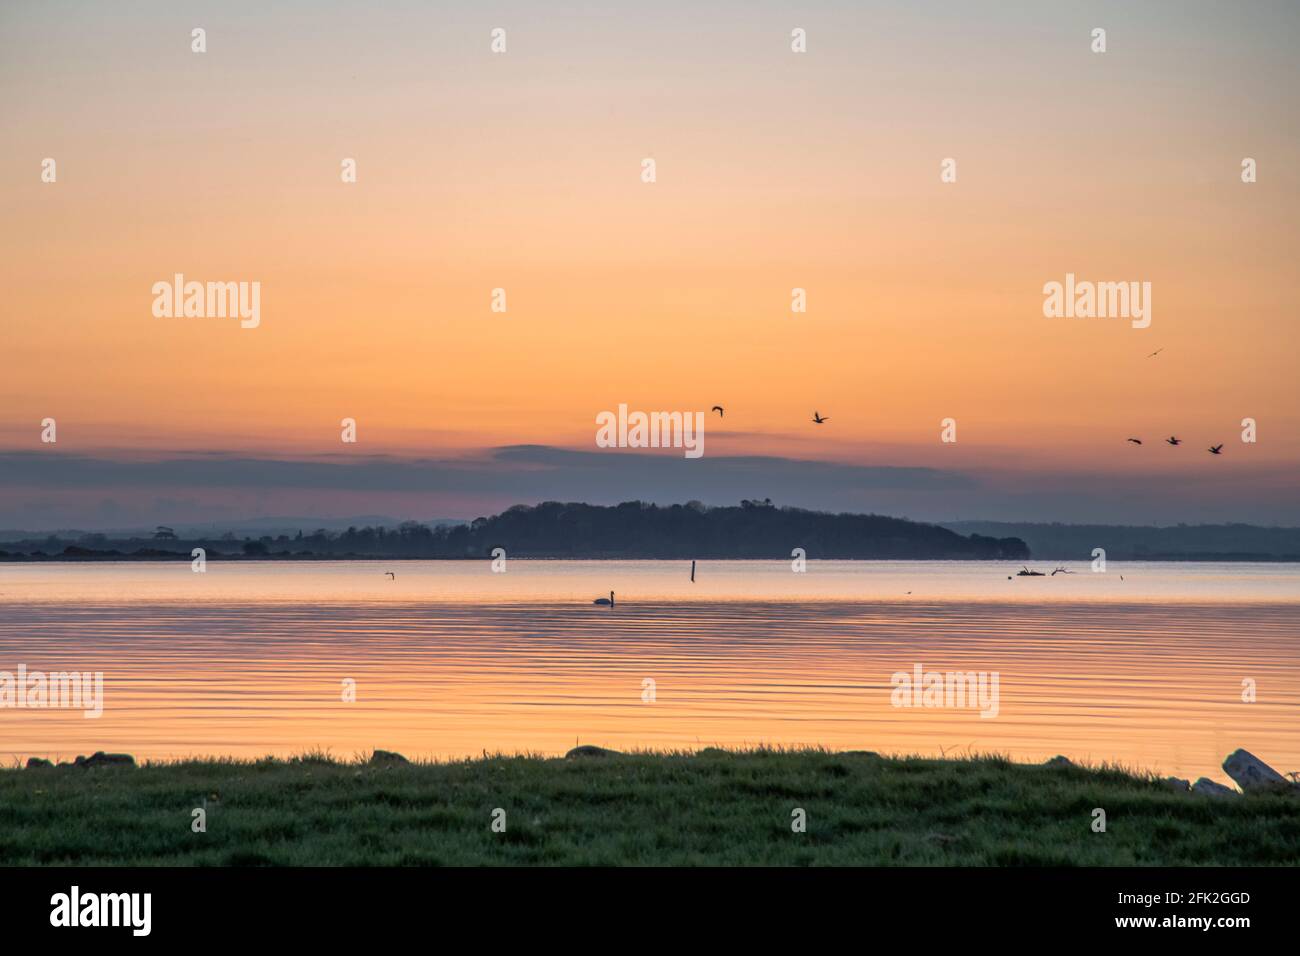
(774,172)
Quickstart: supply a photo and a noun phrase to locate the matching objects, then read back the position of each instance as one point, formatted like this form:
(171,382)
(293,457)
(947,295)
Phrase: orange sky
(775,170)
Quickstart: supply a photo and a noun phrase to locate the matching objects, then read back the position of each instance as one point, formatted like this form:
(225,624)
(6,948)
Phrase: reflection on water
(451,659)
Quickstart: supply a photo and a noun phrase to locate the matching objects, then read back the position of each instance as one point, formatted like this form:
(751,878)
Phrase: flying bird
(1171,440)
(391,575)
(1136,441)
(718,409)
(1156,352)
(1215,449)
(817,418)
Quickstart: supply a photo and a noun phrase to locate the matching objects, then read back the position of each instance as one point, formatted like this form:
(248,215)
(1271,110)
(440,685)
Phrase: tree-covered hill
(752,530)
(554,529)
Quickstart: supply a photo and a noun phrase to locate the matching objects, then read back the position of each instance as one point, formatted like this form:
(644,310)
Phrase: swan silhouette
(1171,440)
(605,601)
(1216,449)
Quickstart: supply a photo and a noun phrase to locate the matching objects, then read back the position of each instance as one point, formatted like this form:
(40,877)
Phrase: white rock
(1251,773)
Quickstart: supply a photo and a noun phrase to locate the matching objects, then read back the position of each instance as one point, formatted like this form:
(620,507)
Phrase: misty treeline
(634,529)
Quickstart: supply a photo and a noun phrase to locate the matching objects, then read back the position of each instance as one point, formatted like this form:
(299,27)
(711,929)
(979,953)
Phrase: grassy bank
(712,808)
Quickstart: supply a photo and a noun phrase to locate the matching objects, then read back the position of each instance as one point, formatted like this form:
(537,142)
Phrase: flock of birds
(820,419)
(1174,440)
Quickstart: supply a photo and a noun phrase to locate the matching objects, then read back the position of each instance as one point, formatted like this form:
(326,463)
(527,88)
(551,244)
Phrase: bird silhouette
(1136,441)
(1171,440)
(391,575)
(718,409)
(1156,352)
(1215,449)
(609,601)
(817,418)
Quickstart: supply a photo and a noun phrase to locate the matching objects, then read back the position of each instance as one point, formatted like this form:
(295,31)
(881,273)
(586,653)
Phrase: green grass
(642,809)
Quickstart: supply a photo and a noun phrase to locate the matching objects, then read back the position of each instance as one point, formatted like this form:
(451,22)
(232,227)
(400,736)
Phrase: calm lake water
(1143,664)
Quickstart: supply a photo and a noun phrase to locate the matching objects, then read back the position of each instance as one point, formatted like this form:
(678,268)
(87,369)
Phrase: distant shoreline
(180,557)
(636,530)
